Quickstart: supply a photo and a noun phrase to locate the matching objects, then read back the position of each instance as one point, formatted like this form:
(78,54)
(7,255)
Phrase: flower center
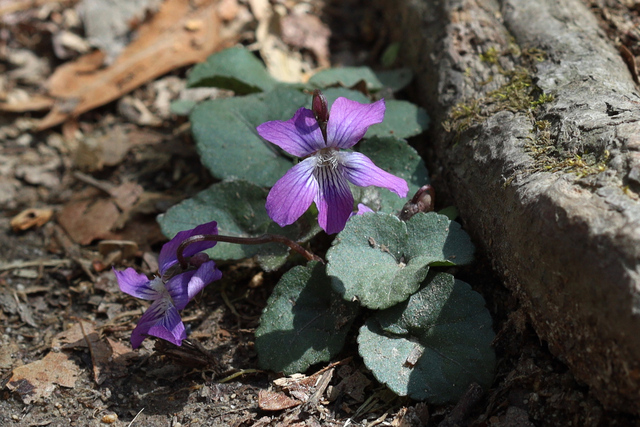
(327,157)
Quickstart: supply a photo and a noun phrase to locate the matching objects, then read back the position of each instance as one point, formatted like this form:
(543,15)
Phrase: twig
(35,263)
(100,185)
(134,418)
(90,346)
(239,373)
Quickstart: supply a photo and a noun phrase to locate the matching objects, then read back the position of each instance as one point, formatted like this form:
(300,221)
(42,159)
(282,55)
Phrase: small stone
(109,418)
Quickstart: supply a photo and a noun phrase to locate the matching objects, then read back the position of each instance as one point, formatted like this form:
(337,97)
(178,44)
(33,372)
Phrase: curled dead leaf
(30,218)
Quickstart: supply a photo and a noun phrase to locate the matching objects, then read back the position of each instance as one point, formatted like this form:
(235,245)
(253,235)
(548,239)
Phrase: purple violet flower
(173,289)
(323,176)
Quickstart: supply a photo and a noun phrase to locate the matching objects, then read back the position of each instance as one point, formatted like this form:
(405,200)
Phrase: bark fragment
(542,155)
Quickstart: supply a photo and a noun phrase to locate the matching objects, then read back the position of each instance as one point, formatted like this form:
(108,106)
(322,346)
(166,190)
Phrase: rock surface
(540,147)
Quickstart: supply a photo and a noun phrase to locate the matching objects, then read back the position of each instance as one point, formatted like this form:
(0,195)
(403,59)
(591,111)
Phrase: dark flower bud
(319,107)
(320,111)
(422,201)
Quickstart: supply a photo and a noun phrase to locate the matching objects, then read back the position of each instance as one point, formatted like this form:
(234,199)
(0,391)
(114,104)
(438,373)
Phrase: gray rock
(549,191)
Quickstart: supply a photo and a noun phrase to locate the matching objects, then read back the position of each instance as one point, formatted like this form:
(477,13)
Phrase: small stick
(265,238)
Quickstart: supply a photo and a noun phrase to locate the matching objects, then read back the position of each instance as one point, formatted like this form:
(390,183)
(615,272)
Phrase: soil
(65,357)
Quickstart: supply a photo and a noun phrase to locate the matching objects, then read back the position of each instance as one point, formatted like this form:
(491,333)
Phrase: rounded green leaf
(395,79)
(434,345)
(438,239)
(347,77)
(402,119)
(236,69)
(227,140)
(390,55)
(238,207)
(397,157)
(304,322)
(182,107)
(367,262)
(379,260)
(334,93)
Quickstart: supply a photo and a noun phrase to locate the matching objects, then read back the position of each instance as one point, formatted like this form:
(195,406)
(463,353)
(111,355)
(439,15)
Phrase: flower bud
(422,201)
(320,108)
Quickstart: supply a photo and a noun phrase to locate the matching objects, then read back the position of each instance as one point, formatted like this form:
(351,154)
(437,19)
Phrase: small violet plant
(172,290)
(324,175)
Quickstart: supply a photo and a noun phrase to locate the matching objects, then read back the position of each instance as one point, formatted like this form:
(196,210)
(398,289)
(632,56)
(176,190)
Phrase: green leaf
(390,54)
(227,140)
(450,212)
(434,345)
(238,207)
(236,69)
(400,252)
(182,107)
(395,79)
(347,77)
(402,119)
(398,158)
(438,240)
(334,93)
(304,322)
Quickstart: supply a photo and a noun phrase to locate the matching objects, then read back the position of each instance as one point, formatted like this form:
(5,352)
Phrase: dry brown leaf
(87,220)
(29,218)
(166,42)
(93,218)
(38,379)
(109,358)
(275,401)
(354,386)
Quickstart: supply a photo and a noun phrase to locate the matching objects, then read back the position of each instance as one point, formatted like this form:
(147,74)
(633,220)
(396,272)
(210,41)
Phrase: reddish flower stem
(265,238)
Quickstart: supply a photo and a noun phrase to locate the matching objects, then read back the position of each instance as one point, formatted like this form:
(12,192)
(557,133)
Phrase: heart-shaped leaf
(379,260)
(395,79)
(402,119)
(347,77)
(227,140)
(304,321)
(432,346)
(235,69)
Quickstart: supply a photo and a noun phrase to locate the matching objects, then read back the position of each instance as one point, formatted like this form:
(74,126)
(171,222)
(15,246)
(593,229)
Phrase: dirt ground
(82,195)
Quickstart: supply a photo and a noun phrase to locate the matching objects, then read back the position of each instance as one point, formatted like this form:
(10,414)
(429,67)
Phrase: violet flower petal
(184,286)
(361,171)
(178,288)
(334,199)
(161,320)
(299,135)
(292,195)
(136,284)
(205,274)
(349,121)
(363,209)
(168,253)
